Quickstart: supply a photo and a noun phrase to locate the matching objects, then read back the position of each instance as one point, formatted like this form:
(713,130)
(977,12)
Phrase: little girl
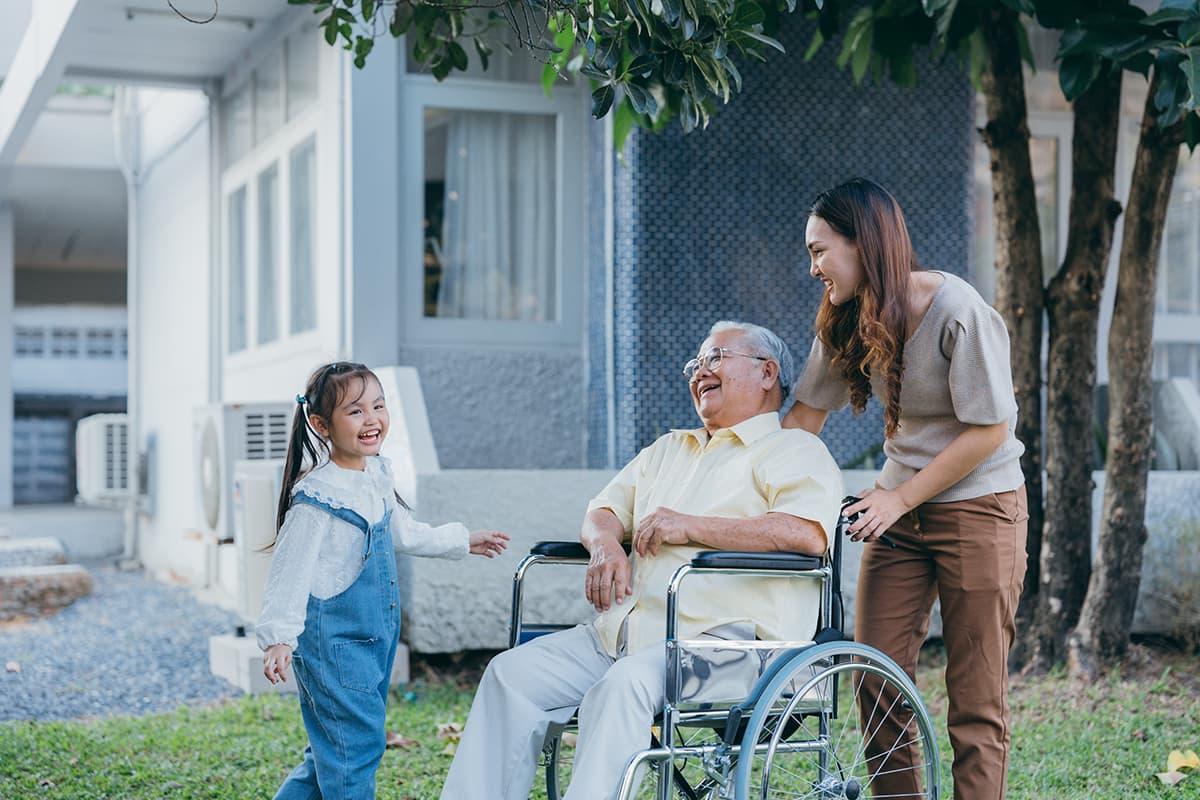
(331,602)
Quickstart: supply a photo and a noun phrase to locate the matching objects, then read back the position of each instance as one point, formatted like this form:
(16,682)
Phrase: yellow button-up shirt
(751,469)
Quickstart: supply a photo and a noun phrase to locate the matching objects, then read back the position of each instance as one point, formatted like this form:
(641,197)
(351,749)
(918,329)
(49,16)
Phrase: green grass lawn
(1070,741)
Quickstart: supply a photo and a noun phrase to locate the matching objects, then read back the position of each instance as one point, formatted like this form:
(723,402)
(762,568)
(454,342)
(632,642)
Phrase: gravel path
(135,646)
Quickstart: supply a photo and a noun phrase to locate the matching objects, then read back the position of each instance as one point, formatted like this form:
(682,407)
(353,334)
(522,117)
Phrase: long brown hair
(327,387)
(865,335)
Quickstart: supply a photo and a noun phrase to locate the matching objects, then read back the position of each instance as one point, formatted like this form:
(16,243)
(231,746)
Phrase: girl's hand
(488,543)
(276,660)
(881,509)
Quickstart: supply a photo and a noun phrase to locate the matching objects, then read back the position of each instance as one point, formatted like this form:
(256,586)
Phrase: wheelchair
(827,719)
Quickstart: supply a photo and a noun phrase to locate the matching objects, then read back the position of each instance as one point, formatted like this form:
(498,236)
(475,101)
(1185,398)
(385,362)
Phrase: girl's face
(358,426)
(835,260)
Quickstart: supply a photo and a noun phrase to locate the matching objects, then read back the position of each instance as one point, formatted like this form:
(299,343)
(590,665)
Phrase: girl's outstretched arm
(488,543)
(416,538)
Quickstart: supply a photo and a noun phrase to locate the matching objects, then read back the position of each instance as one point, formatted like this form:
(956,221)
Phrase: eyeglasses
(711,361)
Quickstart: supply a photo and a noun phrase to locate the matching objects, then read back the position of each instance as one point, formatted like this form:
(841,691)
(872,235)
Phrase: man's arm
(608,569)
(771,532)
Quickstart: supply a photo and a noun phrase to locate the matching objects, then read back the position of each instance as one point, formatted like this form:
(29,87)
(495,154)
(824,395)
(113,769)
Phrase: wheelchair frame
(720,760)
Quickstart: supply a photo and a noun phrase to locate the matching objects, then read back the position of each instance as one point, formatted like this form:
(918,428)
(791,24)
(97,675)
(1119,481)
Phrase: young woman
(951,495)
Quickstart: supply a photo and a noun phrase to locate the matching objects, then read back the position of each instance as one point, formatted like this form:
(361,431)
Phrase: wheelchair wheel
(839,721)
(559,757)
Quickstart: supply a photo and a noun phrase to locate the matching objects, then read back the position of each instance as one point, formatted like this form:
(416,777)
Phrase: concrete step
(34,591)
(34,552)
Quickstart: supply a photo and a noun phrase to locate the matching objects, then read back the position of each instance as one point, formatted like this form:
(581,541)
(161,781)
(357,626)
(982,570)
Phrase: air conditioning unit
(256,486)
(102,459)
(225,434)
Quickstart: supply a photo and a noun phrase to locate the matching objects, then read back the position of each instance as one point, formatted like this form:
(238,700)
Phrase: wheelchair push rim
(841,721)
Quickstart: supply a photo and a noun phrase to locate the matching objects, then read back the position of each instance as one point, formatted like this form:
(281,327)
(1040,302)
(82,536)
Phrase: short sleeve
(803,481)
(821,385)
(981,388)
(620,495)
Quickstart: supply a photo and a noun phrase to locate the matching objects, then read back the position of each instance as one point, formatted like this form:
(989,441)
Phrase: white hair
(763,342)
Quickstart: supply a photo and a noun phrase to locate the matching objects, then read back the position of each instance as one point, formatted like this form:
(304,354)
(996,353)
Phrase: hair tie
(301,400)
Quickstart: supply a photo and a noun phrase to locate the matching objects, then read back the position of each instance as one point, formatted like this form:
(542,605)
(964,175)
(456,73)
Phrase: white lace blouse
(320,555)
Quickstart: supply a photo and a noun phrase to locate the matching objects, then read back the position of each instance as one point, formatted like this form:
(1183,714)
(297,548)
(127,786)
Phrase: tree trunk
(1018,262)
(1103,632)
(1073,306)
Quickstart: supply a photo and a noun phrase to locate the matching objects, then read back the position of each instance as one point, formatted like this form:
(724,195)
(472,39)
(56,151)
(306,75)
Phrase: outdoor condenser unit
(102,459)
(256,486)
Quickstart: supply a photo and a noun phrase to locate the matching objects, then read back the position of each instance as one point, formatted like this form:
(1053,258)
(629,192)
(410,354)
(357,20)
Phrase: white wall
(173,334)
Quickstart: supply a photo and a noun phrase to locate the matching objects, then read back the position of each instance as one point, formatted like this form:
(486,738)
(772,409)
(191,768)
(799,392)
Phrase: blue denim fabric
(342,663)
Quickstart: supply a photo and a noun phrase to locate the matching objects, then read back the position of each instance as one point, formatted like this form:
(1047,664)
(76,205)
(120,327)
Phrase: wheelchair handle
(846,521)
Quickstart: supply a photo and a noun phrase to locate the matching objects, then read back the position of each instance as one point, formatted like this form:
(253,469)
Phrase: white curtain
(498,229)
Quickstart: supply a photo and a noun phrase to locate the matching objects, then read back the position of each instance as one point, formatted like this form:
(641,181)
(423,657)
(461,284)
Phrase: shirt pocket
(359,664)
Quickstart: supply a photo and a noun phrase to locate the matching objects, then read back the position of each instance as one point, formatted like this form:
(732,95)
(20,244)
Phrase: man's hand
(608,574)
(659,527)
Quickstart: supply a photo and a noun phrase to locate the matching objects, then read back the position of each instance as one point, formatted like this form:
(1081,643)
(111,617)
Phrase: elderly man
(740,482)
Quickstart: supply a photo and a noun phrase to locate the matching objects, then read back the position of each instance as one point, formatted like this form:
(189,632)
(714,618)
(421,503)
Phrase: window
(30,342)
(268,98)
(100,343)
(301,54)
(64,343)
(489,215)
(268,255)
(1179,263)
(303,203)
(491,227)
(236,228)
(269,185)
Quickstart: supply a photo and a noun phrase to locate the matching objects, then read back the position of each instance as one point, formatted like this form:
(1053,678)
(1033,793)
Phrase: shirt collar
(748,431)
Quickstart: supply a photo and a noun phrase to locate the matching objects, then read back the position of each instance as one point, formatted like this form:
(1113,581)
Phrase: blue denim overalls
(342,664)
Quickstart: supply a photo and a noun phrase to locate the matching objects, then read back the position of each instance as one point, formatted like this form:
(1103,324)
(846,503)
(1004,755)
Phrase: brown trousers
(972,552)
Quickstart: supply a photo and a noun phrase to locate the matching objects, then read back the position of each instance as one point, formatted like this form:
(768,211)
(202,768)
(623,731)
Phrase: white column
(7,277)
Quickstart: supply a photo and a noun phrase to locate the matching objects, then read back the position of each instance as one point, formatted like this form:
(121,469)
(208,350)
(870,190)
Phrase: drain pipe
(127,141)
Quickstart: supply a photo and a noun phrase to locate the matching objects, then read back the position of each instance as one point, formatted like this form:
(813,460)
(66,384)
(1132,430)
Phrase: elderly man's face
(739,387)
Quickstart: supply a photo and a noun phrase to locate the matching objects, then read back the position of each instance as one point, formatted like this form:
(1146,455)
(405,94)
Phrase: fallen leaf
(1171,778)
(1179,761)
(397,740)
(1140,735)
(450,750)
(450,731)
(12,666)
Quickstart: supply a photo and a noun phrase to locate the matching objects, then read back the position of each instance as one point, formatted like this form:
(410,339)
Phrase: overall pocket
(358,664)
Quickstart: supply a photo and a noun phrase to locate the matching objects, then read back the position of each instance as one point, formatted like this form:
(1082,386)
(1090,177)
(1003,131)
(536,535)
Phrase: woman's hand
(488,543)
(276,660)
(881,509)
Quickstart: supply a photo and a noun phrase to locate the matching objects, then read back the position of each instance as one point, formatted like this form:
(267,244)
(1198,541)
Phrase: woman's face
(835,260)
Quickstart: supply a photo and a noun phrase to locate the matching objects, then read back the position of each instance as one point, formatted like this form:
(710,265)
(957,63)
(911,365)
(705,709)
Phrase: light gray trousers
(528,688)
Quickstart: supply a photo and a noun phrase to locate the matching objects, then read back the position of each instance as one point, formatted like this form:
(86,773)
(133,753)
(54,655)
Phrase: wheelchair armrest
(733,559)
(564,550)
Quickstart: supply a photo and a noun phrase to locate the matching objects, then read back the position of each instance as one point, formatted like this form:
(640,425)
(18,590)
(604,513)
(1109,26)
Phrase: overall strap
(344,514)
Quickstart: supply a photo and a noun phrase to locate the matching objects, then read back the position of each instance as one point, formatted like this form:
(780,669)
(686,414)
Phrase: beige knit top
(956,373)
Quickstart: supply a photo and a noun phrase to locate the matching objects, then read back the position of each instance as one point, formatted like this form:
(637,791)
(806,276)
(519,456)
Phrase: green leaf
(608,54)
(1076,73)
(368,10)
(1191,131)
(602,100)
(862,54)
(764,39)
(817,40)
(330,31)
(1189,31)
(643,102)
(641,66)
(549,76)
(484,52)
(402,19)
(1166,15)
(1191,71)
(732,69)
(457,55)
(623,121)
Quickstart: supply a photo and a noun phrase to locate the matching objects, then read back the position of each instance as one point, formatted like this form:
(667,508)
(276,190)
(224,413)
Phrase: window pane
(235,115)
(268,254)
(236,215)
(1179,262)
(268,98)
(1044,155)
(64,342)
(303,202)
(490,216)
(302,59)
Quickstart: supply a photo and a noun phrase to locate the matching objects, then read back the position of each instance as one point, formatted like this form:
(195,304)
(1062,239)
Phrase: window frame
(568,105)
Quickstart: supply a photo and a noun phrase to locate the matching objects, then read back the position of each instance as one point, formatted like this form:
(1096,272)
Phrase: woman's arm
(806,417)
(883,507)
